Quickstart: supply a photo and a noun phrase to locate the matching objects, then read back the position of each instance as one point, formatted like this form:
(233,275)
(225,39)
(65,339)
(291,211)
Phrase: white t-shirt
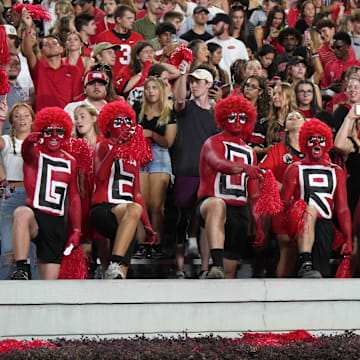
(69,108)
(13,163)
(232,50)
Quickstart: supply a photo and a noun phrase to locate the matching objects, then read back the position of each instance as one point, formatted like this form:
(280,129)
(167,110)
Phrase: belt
(16,184)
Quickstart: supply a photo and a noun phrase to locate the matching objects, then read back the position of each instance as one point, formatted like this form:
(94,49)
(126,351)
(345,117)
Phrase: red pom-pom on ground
(269,201)
(10,344)
(74,266)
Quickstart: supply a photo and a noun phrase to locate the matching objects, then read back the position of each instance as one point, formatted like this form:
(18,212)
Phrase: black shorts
(236,229)
(104,221)
(322,249)
(52,237)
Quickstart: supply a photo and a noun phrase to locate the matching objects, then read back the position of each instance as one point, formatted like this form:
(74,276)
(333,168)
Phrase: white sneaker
(192,248)
(114,271)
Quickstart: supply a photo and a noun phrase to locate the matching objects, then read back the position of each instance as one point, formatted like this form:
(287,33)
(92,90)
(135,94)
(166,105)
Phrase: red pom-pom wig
(237,104)
(111,111)
(311,127)
(53,116)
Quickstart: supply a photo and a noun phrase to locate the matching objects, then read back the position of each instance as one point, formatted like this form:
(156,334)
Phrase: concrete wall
(120,308)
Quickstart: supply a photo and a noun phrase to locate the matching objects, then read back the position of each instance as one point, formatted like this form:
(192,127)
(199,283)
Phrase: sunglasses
(120,120)
(50,131)
(313,139)
(241,116)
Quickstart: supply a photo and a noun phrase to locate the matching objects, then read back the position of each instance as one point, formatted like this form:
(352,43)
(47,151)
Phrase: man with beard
(56,83)
(95,90)
(108,21)
(146,26)
(232,48)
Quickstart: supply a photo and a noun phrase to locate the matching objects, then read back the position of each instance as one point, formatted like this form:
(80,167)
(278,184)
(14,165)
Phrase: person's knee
(216,208)
(134,211)
(23,215)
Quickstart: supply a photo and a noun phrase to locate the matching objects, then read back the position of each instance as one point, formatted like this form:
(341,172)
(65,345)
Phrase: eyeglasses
(233,116)
(305,92)
(251,86)
(50,131)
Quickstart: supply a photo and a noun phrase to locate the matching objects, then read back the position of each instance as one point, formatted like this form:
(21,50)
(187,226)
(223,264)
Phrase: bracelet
(315,55)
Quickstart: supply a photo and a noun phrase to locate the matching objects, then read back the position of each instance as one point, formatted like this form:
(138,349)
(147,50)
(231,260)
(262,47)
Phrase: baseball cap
(202,74)
(220,17)
(104,46)
(200,9)
(94,76)
(294,60)
(10,30)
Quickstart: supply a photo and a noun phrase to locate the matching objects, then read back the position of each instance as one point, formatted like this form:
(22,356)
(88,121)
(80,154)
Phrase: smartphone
(306,35)
(357,109)
(216,83)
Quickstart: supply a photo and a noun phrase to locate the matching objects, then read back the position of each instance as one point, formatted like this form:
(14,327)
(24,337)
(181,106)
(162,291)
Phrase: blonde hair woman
(21,117)
(158,121)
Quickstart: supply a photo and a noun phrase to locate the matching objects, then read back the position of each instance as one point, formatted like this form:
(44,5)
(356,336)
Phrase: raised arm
(343,212)
(27,45)
(28,149)
(180,87)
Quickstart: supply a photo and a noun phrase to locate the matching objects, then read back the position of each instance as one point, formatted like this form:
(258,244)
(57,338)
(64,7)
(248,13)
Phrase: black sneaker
(140,253)
(157,252)
(307,271)
(20,275)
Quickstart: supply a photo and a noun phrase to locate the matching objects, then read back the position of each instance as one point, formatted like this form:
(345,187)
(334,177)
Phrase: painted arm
(29,151)
(289,184)
(343,212)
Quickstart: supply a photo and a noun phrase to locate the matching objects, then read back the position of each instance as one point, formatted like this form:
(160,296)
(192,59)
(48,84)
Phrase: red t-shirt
(307,113)
(124,54)
(333,70)
(55,87)
(101,26)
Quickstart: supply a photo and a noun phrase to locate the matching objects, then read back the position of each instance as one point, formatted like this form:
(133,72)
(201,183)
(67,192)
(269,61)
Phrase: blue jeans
(7,261)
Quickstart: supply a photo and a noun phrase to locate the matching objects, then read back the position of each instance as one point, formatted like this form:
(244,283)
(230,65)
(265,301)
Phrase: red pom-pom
(73,266)
(82,152)
(181,53)
(269,201)
(344,269)
(4,84)
(37,12)
(10,345)
(137,149)
(295,219)
(4,52)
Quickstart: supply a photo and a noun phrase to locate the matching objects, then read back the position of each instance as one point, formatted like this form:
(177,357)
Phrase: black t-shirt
(191,35)
(194,126)
(152,124)
(339,116)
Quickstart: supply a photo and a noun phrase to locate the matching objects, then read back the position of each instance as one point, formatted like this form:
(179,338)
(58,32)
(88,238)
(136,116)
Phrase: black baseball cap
(220,17)
(200,9)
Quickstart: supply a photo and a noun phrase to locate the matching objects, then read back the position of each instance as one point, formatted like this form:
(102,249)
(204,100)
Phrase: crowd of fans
(293,60)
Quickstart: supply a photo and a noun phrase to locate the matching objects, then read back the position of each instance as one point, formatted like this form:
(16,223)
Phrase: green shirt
(145,27)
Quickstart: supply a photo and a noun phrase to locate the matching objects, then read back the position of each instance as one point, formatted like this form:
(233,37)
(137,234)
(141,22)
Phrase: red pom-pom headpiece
(53,116)
(311,127)
(136,148)
(237,104)
(37,12)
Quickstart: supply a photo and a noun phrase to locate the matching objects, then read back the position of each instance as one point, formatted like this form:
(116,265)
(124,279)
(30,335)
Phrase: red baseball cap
(94,76)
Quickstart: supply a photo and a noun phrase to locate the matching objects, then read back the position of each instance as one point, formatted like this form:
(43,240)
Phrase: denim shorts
(160,163)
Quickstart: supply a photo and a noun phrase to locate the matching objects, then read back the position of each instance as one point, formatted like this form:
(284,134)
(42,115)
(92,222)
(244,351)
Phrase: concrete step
(115,308)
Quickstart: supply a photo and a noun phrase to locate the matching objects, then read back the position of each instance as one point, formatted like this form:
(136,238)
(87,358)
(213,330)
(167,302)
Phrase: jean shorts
(160,163)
